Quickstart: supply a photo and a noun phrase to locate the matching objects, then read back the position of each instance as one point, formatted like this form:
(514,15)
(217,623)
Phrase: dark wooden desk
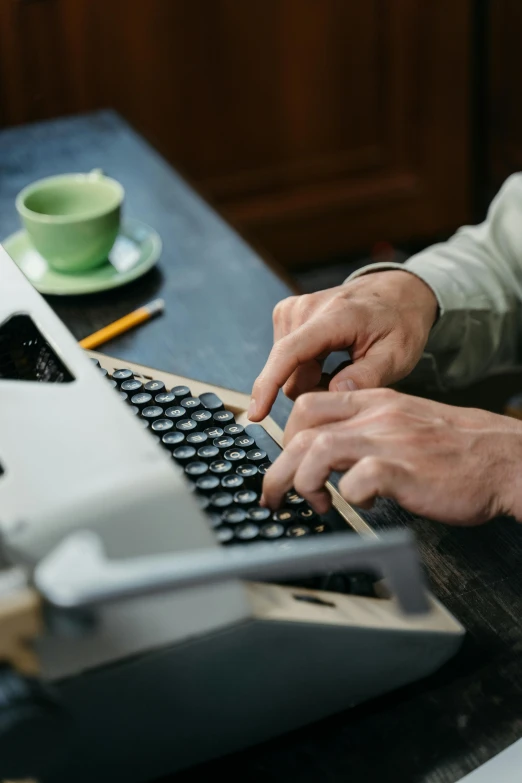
(217,327)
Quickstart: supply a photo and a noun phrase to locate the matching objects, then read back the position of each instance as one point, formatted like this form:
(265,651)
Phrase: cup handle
(96,174)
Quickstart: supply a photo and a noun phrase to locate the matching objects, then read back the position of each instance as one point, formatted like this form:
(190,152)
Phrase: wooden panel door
(316,126)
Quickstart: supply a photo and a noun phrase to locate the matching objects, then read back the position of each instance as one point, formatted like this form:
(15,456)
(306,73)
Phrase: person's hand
(455,465)
(384,318)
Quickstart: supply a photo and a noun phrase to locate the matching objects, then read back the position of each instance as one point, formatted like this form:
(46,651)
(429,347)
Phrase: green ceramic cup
(72,219)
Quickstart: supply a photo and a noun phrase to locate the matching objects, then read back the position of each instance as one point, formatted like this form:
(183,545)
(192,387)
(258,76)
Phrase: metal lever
(77,573)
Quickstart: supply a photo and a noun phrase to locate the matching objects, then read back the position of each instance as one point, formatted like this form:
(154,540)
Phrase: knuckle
(324,442)
(302,440)
(371,467)
(304,404)
(282,306)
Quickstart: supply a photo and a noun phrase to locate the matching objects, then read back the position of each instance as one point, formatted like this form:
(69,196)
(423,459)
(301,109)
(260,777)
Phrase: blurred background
(326,131)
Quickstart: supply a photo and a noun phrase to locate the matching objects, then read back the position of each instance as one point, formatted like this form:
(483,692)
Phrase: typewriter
(152,614)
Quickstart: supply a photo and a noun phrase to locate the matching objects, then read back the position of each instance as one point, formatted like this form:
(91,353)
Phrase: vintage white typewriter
(152,614)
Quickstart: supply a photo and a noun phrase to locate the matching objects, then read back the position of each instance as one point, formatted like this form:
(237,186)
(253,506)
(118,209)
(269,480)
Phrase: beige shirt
(477,279)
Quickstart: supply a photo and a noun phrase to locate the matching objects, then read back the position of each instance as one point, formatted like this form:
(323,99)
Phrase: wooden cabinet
(316,126)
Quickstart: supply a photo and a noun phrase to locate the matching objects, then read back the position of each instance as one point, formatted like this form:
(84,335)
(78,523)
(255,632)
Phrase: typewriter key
(249,474)
(123,396)
(224,535)
(145,423)
(224,442)
(165,398)
(132,386)
(172,439)
(207,484)
(196,469)
(201,418)
(321,527)
(141,399)
(104,372)
(184,453)
(297,531)
(175,412)
(181,392)
(246,497)
(208,452)
(234,455)
(263,468)
(293,499)
(211,402)
(221,500)
(307,514)
(203,502)
(285,516)
(162,425)
(134,409)
(152,412)
(259,514)
(247,532)
(95,361)
(112,383)
(232,481)
(223,417)
(244,442)
(220,466)
(234,430)
(272,530)
(186,425)
(197,439)
(214,519)
(124,374)
(214,432)
(191,404)
(256,456)
(154,387)
(233,516)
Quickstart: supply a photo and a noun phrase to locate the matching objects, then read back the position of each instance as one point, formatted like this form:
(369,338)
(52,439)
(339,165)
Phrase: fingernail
(347,385)
(262,501)
(252,408)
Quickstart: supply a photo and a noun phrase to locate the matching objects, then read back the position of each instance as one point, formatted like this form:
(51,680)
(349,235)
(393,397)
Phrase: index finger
(307,342)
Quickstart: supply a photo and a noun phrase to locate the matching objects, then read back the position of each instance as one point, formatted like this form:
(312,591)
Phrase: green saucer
(136,250)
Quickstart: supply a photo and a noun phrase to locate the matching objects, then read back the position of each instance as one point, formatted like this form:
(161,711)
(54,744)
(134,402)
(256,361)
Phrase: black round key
(181,392)
(208,452)
(134,409)
(133,386)
(214,432)
(233,516)
(207,484)
(186,425)
(203,502)
(319,527)
(221,500)
(293,499)
(298,530)
(191,404)
(307,514)
(220,466)
(184,453)
(175,412)
(112,383)
(141,399)
(123,396)
(263,468)
(95,361)
(152,412)
(173,439)
(285,515)
(257,456)
(223,417)
(232,481)
(224,442)
(259,514)
(162,425)
(165,398)
(145,423)
(246,532)
(214,519)
(154,387)
(197,439)
(196,469)
(246,497)
(272,530)
(249,474)
(235,430)
(123,374)
(224,535)
(201,418)
(234,455)
(103,372)
(244,442)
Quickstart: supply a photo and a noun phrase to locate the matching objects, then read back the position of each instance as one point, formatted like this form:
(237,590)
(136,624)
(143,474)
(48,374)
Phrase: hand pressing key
(457,465)
(383,318)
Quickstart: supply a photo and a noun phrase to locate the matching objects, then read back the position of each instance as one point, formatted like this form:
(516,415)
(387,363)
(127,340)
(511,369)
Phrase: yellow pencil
(123,324)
